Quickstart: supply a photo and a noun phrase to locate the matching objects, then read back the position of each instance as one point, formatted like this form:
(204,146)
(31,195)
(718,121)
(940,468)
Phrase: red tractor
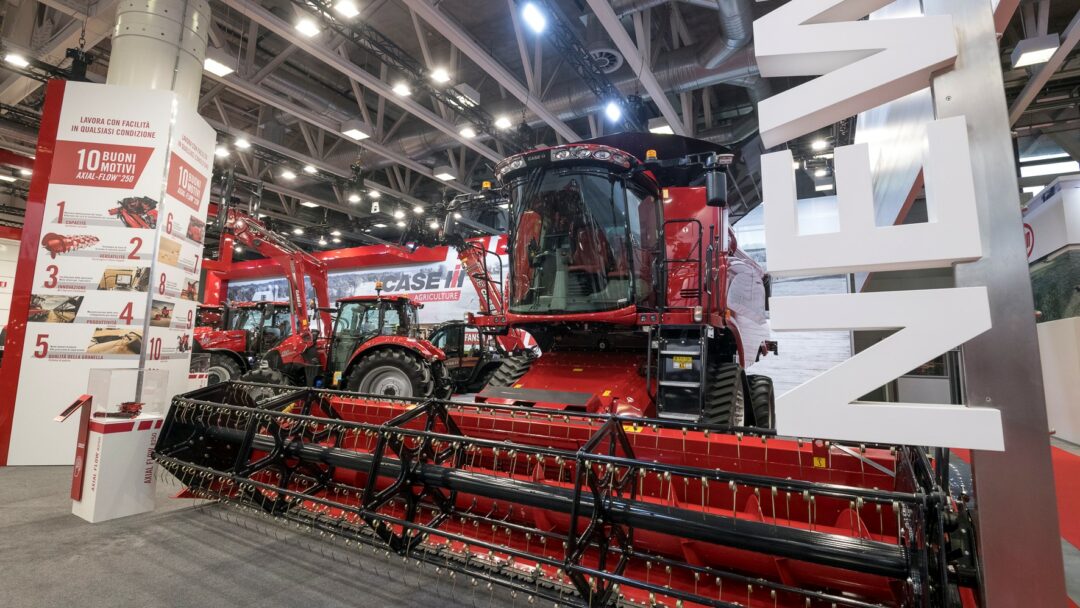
(375,348)
(630,278)
(241,336)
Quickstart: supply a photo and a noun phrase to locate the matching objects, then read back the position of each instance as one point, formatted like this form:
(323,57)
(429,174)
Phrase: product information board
(118,254)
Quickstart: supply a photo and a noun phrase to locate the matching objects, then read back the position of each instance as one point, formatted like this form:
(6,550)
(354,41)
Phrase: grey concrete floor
(182,555)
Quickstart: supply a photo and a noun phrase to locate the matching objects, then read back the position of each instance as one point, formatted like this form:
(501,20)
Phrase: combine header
(578,508)
(632,462)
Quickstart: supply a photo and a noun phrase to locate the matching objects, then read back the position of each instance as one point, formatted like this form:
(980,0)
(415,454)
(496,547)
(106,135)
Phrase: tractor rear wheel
(725,395)
(264,375)
(222,369)
(762,401)
(511,370)
(392,372)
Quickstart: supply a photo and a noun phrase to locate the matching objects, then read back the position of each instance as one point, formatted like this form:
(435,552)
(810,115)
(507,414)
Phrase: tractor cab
(265,324)
(361,319)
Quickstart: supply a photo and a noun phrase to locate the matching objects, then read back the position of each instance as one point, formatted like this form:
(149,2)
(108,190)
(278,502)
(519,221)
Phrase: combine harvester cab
(614,469)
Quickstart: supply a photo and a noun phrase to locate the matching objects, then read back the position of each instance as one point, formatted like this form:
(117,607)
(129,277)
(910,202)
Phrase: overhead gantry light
(613,111)
(401,224)
(355,129)
(378,225)
(346,8)
(1032,51)
(401,89)
(354,198)
(288,174)
(398,214)
(433,225)
(444,173)
(503,123)
(819,144)
(336,240)
(534,17)
(310,170)
(7,178)
(660,126)
(298,231)
(468,132)
(335,233)
(216,68)
(309,204)
(242,143)
(418,210)
(374,194)
(307,27)
(25,172)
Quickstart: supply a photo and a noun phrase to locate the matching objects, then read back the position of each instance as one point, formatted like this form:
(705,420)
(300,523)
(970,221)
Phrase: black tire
(264,375)
(762,401)
(223,368)
(511,370)
(392,372)
(725,395)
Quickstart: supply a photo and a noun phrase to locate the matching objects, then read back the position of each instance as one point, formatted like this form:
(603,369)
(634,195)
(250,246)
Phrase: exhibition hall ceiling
(323,105)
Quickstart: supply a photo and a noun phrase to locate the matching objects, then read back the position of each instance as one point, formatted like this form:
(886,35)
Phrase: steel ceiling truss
(389,53)
(574,53)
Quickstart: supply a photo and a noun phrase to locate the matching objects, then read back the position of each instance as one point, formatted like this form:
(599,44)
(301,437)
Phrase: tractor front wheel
(762,401)
(725,395)
(392,373)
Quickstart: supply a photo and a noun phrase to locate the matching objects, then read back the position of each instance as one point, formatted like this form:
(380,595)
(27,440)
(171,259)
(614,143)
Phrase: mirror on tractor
(715,187)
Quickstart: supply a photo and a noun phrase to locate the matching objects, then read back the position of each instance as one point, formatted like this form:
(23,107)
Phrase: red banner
(185,183)
(79,163)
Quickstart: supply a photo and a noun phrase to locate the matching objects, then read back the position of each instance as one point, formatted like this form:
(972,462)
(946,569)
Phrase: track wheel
(222,369)
(264,375)
(392,372)
(725,395)
(762,401)
(511,370)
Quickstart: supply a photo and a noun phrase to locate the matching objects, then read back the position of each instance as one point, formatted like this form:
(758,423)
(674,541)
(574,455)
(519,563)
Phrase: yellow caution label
(820,462)
(630,428)
(337,378)
(606,393)
(683,362)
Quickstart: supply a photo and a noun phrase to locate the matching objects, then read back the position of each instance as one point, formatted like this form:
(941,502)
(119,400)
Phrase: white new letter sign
(862,64)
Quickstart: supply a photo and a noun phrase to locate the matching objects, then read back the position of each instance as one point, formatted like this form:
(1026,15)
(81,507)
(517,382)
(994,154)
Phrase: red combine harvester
(611,473)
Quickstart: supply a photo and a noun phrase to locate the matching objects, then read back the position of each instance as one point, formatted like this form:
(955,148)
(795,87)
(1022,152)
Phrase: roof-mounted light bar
(567,154)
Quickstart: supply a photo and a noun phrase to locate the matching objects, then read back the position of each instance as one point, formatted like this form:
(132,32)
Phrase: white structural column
(1020,544)
(160,44)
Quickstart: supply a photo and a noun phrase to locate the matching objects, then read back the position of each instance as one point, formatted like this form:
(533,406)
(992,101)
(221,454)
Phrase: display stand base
(119,476)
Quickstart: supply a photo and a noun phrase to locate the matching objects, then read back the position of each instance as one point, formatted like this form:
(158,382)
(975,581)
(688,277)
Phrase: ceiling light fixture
(819,144)
(534,17)
(7,178)
(335,233)
(309,204)
(418,210)
(378,225)
(217,68)
(307,27)
(1032,51)
(336,239)
(374,194)
(820,173)
(288,174)
(298,230)
(660,126)
(221,151)
(310,170)
(440,75)
(503,123)
(322,241)
(401,89)
(354,198)
(242,143)
(401,224)
(612,111)
(433,225)
(346,8)
(25,172)
(398,213)
(467,132)
(444,173)
(355,129)
(16,60)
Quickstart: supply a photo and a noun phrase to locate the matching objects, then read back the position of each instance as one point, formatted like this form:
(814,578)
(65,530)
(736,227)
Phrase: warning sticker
(683,362)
